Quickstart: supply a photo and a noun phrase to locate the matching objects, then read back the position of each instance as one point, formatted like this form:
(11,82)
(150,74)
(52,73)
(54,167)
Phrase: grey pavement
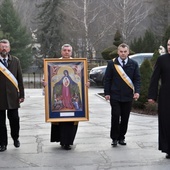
(92,148)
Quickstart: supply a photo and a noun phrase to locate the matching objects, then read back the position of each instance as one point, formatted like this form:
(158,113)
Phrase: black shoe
(122,142)
(67,147)
(2,148)
(16,143)
(114,143)
(167,156)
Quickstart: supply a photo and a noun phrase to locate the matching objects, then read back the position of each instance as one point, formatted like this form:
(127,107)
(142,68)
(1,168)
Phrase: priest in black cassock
(159,90)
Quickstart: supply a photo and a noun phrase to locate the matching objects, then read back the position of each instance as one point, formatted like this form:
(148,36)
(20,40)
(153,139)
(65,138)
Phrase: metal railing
(33,79)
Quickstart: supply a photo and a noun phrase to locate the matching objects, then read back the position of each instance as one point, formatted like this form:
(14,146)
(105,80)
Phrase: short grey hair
(67,45)
(123,45)
(5,41)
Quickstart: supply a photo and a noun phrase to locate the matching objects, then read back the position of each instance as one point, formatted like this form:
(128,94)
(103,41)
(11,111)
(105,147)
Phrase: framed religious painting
(66,93)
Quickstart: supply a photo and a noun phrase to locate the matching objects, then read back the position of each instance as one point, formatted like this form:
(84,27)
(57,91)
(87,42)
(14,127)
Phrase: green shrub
(154,58)
(145,71)
(106,53)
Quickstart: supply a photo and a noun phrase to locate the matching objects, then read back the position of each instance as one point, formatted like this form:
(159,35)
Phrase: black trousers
(14,125)
(120,112)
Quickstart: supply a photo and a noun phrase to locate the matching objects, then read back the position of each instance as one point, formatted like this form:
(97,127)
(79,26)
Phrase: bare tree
(95,22)
(90,20)
(159,18)
(128,15)
(91,24)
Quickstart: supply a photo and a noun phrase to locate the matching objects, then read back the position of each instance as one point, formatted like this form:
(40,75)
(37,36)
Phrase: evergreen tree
(137,45)
(146,71)
(111,52)
(49,31)
(147,43)
(150,42)
(16,33)
(154,58)
(1,34)
(117,38)
(106,53)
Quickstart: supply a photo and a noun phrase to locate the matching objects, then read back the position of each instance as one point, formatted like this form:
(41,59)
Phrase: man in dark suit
(122,85)
(162,72)
(11,94)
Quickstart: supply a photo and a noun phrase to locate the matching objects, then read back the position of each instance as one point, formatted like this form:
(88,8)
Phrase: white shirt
(120,61)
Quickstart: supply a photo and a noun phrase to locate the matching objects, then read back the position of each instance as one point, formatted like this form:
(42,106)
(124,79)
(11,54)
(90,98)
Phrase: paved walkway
(92,149)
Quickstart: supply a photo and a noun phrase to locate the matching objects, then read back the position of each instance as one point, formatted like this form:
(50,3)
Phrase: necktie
(123,61)
(5,62)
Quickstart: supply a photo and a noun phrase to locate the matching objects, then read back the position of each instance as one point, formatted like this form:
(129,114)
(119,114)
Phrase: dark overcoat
(162,72)
(9,95)
(115,86)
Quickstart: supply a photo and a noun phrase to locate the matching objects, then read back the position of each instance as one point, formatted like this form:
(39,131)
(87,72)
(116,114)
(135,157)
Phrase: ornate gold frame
(66,95)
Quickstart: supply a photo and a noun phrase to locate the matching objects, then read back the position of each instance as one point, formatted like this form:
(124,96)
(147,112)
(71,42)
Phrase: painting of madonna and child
(66,89)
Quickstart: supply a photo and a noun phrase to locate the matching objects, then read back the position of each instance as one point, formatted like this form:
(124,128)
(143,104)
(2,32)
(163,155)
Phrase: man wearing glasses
(11,94)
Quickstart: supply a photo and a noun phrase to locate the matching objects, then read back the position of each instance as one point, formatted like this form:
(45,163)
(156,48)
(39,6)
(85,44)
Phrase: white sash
(124,76)
(9,75)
